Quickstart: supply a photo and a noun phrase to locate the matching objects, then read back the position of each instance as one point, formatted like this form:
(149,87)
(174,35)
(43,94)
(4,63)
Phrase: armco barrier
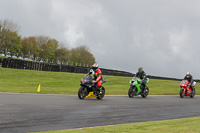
(40,66)
(1,60)
(165,78)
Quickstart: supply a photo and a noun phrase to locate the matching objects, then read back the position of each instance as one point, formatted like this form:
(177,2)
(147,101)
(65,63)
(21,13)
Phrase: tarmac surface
(36,112)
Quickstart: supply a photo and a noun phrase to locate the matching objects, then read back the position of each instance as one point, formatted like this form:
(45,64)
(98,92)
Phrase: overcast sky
(162,36)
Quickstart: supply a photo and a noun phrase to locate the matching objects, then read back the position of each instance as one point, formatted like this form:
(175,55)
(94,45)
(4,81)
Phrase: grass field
(27,81)
(188,125)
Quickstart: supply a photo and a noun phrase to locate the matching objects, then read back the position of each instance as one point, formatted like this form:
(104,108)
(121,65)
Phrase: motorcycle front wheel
(131,92)
(82,93)
(182,94)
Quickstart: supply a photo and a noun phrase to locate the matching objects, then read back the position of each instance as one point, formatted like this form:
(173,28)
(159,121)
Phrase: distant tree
(15,49)
(51,48)
(40,47)
(47,48)
(73,56)
(42,41)
(25,48)
(9,25)
(35,49)
(30,48)
(0,36)
(9,38)
(85,57)
(61,55)
(10,43)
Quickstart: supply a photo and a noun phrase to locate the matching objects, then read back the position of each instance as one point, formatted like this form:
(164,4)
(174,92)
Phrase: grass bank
(188,125)
(27,81)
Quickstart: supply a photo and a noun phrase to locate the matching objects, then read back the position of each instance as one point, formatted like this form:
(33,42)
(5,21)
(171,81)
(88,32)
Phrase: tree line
(40,48)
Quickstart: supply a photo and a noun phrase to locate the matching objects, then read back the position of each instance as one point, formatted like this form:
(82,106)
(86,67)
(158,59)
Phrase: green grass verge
(188,125)
(27,81)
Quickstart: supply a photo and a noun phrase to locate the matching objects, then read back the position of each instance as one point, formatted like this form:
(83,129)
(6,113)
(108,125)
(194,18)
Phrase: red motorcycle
(186,89)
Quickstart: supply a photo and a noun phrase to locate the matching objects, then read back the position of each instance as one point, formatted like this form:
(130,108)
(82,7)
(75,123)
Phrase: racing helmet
(188,74)
(95,66)
(140,69)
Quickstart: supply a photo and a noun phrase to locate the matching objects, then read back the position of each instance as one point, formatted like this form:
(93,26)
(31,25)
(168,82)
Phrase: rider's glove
(91,71)
(94,81)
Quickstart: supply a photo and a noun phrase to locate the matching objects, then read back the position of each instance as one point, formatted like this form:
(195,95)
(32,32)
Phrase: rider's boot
(139,90)
(142,89)
(145,86)
(100,91)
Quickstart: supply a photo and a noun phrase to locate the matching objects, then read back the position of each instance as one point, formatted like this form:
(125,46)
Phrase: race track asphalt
(35,112)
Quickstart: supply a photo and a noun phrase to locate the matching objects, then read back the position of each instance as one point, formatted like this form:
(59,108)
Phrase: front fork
(184,90)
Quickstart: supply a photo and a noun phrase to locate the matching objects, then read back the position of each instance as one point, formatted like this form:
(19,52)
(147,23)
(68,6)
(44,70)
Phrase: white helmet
(188,74)
(95,66)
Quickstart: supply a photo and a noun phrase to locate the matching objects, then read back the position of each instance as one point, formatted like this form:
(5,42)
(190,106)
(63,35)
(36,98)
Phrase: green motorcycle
(137,89)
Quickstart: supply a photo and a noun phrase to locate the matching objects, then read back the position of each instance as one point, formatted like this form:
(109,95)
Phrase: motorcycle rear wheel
(193,94)
(99,97)
(82,93)
(145,94)
(131,92)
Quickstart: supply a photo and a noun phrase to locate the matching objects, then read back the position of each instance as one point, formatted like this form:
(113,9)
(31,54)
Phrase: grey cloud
(162,36)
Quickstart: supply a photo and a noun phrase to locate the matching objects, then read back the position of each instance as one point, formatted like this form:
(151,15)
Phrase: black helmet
(140,69)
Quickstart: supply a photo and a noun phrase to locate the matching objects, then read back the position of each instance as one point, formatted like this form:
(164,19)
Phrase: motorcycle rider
(189,78)
(97,75)
(142,75)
